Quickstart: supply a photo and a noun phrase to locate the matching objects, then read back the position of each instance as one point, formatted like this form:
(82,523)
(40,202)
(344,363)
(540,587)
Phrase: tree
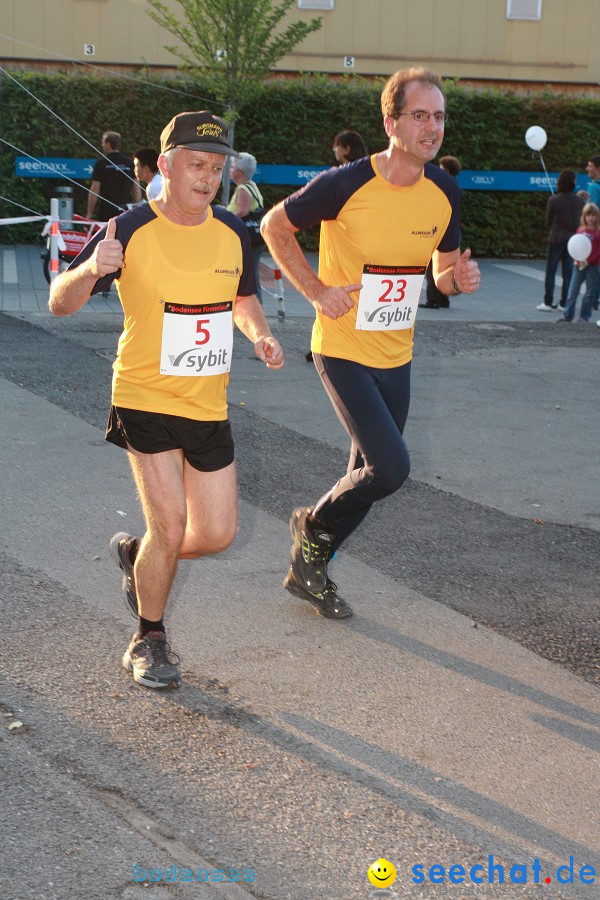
(234,44)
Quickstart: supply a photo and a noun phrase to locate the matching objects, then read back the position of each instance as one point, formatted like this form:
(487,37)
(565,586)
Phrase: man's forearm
(250,318)
(284,247)
(92,198)
(444,282)
(71,290)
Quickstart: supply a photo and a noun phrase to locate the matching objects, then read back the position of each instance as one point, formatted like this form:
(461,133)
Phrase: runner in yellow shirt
(184,273)
(382,219)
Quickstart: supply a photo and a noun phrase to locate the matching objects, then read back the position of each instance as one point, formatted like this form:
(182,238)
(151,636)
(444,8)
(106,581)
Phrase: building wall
(466,39)
(459,38)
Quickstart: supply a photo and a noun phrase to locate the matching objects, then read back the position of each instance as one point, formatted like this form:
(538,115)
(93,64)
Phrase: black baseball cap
(197,131)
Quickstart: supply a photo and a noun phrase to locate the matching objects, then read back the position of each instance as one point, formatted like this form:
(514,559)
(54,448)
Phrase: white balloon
(536,137)
(579,247)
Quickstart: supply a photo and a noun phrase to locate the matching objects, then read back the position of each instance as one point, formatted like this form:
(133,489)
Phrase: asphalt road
(534,581)
(300,749)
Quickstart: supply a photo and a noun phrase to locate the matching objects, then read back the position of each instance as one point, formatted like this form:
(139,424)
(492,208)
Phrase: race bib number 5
(389,298)
(197,340)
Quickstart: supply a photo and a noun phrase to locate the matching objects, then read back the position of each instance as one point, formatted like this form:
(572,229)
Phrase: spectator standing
(593,171)
(593,194)
(586,271)
(435,298)
(563,213)
(247,199)
(113,178)
(145,164)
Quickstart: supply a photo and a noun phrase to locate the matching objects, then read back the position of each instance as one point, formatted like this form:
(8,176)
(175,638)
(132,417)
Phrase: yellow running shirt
(178,289)
(382,236)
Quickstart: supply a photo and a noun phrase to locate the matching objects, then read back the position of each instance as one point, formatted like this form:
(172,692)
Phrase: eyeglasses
(421,116)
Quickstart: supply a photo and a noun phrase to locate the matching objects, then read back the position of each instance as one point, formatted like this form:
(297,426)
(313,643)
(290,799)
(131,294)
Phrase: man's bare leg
(188,514)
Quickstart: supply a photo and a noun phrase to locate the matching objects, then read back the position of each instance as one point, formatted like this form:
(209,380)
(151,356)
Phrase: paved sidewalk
(510,291)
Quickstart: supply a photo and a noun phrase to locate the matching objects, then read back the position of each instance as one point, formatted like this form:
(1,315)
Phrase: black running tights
(372,405)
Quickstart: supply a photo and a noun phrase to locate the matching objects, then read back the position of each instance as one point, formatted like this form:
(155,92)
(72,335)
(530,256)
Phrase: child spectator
(586,271)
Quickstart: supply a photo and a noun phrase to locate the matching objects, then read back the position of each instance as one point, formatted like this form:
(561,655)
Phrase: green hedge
(294,121)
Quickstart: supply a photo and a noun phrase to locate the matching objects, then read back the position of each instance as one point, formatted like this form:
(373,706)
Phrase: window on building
(315,4)
(524,9)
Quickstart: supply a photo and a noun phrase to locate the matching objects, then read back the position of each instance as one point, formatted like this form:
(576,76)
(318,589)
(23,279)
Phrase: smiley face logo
(382,873)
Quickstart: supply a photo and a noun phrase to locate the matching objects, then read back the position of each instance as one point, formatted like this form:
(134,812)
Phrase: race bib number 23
(389,298)
(196,340)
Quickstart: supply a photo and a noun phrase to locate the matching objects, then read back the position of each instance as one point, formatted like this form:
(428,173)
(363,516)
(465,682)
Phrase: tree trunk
(226,182)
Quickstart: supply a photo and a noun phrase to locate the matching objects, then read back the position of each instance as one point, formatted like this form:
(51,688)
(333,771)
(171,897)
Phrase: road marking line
(9,267)
(525,270)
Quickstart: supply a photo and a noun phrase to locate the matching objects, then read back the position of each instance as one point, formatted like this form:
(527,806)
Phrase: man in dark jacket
(113,178)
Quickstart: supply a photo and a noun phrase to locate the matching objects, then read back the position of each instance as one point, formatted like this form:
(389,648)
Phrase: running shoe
(152,661)
(311,551)
(544,307)
(121,546)
(326,602)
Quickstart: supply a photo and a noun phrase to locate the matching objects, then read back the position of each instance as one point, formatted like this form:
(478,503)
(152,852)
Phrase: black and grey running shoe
(121,546)
(310,551)
(152,661)
(326,602)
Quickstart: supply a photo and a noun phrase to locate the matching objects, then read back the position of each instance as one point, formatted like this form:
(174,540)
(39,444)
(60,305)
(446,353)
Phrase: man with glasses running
(382,220)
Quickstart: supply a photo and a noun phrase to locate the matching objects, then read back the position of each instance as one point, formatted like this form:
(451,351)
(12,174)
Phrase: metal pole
(226,183)
(278,292)
(54,238)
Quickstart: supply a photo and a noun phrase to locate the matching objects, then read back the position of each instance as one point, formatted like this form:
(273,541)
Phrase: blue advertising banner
(468,180)
(54,167)
(269,174)
(505,181)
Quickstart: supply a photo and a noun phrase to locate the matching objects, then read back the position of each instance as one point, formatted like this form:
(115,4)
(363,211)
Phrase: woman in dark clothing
(435,298)
(563,212)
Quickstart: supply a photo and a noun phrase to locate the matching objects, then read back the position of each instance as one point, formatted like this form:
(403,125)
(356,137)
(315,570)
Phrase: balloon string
(546,171)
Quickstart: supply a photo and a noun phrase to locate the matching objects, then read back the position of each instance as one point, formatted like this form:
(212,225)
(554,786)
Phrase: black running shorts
(207,446)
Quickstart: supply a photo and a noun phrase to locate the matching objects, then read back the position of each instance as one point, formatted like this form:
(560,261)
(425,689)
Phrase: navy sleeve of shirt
(446,183)
(97,170)
(247,285)
(126,223)
(324,196)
